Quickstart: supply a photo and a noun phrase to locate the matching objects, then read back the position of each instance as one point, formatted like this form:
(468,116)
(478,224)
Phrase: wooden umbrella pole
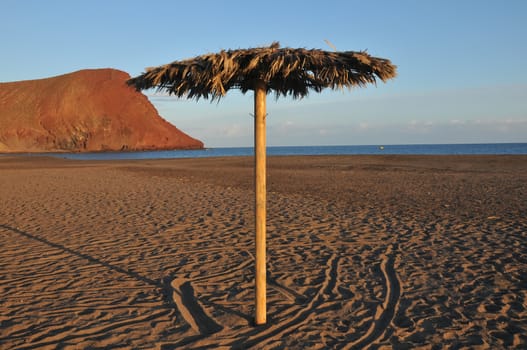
(260,93)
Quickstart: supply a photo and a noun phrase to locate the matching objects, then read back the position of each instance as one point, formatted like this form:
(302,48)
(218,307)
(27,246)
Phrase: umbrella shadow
(87,257)
(179,297)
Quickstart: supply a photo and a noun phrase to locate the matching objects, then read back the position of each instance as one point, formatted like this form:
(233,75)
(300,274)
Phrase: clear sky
(461,63)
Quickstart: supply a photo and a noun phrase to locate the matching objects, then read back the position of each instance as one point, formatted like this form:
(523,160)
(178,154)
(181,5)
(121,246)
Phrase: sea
(421,149)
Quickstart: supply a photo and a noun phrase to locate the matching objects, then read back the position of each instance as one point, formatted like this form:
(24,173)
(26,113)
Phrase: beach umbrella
(284,71)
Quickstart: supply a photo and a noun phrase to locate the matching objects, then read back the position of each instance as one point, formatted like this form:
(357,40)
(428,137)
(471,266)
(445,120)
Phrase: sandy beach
(372,252)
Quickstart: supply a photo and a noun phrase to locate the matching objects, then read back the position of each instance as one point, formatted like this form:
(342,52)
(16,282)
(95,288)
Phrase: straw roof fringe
(285,71)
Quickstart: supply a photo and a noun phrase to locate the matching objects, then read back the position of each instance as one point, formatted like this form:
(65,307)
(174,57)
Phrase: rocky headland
(85,111)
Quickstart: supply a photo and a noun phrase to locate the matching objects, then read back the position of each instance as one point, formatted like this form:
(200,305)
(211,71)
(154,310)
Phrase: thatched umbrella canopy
(284,71)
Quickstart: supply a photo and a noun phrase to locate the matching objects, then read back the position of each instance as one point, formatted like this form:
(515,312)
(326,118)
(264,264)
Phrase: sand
(363,252)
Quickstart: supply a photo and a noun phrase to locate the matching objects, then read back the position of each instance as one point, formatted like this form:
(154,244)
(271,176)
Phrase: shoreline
(391,250)
(213,152)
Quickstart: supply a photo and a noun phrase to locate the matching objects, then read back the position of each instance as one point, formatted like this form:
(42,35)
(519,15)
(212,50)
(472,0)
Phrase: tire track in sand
(191,310)
(385,312)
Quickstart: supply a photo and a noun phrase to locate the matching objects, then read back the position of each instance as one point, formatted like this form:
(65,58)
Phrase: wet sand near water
(363,252)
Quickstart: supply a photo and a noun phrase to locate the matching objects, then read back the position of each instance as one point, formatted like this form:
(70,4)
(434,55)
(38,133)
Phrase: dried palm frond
(285,71)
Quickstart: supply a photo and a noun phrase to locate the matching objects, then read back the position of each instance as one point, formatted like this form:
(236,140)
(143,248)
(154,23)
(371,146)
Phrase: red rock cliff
(88,110)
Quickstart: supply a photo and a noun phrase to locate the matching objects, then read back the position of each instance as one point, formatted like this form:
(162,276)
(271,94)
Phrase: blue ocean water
(442,149)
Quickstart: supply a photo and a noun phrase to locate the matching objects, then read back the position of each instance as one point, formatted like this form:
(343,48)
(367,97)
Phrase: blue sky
(461,64)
